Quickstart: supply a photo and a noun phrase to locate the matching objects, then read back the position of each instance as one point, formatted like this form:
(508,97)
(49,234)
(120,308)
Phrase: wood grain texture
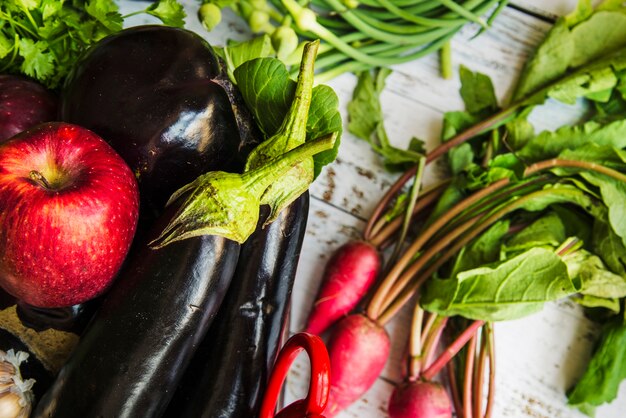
(538,357)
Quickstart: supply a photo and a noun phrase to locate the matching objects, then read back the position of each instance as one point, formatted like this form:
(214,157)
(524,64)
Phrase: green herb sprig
(42,39)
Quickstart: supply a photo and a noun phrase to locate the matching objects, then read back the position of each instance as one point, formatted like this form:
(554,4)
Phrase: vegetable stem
(415,343)
(479,376)
(452,350)
(432,340)
(259,179)
(414,194)
(468,377)
(491,353)
(584,165)
(376,304)
(454,389)
(446,60)
(384,230)
(297,118)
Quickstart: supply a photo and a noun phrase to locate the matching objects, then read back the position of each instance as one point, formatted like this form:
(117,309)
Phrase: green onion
(362,34)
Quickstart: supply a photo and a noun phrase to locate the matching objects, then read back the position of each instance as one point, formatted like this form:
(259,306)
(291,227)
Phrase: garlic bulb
(16,396)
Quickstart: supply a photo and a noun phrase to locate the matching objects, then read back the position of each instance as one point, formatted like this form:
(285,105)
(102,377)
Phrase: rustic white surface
(539,357)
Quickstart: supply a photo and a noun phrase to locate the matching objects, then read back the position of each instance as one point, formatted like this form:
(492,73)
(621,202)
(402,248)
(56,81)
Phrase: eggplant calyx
(227,204)
(290,135)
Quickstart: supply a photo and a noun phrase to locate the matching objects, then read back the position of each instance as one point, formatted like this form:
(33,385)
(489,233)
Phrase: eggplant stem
(259,179)
(296,124)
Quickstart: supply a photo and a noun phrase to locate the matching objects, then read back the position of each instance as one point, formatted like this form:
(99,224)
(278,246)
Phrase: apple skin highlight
(64,238)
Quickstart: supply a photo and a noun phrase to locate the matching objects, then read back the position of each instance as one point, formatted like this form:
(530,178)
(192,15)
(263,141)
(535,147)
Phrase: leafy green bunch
(525,218)
(43,38)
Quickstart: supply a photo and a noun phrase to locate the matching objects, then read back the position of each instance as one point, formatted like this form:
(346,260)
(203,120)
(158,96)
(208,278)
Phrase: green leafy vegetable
(609,246)
(484,250)
(236,53)
(595,279)
(606,370)
(43,38)
(366,121)
(548,231)
(514,288)
(268,91)
(550,144)
(477,92)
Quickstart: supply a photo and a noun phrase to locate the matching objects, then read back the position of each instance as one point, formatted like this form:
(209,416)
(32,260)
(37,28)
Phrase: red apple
(68,213)
(24,103)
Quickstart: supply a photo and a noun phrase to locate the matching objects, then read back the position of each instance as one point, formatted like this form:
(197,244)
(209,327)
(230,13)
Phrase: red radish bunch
(349,274)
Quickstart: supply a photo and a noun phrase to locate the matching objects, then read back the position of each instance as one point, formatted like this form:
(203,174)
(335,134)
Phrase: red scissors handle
(315,402)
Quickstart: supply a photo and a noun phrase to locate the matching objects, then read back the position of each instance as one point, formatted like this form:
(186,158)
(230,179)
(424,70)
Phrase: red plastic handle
(315,402)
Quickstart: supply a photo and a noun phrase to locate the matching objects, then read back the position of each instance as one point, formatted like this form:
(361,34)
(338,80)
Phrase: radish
(420,399)
(358,350)
(348,276)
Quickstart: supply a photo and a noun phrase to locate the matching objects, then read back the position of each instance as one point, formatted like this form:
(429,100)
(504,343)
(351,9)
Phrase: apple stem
(38,178)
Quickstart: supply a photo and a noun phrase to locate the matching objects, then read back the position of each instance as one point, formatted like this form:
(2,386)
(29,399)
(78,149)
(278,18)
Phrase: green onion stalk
(358,35)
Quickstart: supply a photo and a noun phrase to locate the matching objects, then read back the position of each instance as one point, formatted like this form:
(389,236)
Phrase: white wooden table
(538,357)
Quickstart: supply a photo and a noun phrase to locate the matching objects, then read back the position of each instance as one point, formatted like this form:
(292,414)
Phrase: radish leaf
(548,232)
(477,92)
(594,277)
(549,144)
(609,246)
(366,117)
(512,289)
(606,370)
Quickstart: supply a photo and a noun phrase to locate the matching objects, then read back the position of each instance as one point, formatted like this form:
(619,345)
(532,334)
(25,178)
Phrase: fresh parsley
(43,38)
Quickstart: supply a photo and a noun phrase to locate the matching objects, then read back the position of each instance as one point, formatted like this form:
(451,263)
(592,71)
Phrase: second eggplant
(228,374)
